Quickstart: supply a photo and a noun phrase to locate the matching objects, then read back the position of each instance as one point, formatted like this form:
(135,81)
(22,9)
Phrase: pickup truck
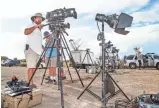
(151,58)
(10,63)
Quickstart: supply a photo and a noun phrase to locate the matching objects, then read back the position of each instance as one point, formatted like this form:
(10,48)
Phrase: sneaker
(49,81)
(55,82)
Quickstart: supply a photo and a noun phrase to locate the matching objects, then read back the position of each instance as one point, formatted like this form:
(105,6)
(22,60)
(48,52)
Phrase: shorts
(52,62)
(31,58)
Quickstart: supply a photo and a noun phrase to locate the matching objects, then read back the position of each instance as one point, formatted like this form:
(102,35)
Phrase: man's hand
(43,47)
(40,26)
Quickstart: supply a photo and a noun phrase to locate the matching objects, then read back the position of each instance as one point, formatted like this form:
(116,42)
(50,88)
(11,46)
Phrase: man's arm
(51,44)
(27,31)
(43,47)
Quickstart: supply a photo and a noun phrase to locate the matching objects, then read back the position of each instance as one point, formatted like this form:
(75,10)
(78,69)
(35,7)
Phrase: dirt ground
(132,82)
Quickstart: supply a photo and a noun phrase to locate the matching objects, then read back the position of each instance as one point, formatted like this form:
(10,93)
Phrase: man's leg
(31,59)
(139,64)
(30,73)
(49,70)
(53,69)
(52,74)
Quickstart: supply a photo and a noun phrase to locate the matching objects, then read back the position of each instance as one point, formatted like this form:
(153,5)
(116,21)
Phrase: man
(125,61)
(53,58)
(139,57)
(34,46)
(145,61)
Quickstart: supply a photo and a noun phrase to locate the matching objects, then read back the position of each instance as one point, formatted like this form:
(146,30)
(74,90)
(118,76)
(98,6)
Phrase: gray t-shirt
(139,56)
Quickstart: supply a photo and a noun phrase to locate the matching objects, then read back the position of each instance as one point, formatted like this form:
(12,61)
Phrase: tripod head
(88,49)
(56,26)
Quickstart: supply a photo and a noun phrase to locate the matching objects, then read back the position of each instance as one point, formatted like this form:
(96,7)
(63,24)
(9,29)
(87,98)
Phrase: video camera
(114,50)
(61,14)
(108,44)
(57,17)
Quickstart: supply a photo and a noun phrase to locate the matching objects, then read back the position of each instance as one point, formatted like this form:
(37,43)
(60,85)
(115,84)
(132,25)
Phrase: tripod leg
(89,85)
(44,74)
(48,61)
(118,87)
(82,62)
(37,65)
(70,56)
(67,65)
(61,87)
(90,59)
(45,69)
(58,79)
(59,61)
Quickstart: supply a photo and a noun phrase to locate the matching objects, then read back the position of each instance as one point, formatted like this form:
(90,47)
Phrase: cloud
(27,7)
(137,36)
(12,45)
(147,16)
(84,28)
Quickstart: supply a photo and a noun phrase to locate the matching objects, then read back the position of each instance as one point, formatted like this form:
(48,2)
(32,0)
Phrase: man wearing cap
(50,41)
(34,46)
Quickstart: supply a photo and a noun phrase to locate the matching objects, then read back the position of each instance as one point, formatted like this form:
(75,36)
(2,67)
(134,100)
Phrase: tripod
(106,77)
(86,55)
(59,36)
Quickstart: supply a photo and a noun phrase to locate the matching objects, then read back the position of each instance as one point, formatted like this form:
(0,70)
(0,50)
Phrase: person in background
(125,61)
(34,47)
(145,61)
(53,58)
(139,57)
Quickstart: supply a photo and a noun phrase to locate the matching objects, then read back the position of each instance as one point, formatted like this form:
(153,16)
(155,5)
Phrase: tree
(15,59)
(4,58)
(23,60)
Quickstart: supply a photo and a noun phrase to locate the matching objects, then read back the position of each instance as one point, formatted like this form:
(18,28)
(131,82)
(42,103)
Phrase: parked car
(3,62)
(151,58)
(10,63)
(23,63)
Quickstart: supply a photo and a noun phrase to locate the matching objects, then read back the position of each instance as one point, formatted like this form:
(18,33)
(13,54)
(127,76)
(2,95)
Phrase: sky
(144,32)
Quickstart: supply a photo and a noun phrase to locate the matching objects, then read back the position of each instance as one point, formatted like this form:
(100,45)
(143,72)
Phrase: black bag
(26,47)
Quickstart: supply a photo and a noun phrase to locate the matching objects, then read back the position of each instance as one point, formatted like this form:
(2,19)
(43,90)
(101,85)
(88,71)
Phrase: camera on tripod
(108,44)
(61,14)
(57,17)
(117,22)
(114,50)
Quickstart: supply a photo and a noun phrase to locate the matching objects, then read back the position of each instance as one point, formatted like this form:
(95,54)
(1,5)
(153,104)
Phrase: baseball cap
(46,34)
